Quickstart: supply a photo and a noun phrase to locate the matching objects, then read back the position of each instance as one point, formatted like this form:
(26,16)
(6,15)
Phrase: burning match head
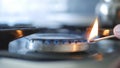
(116,31)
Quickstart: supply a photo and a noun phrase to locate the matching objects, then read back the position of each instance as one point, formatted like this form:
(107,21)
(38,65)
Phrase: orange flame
(106,32)
(19,33)
(93,30)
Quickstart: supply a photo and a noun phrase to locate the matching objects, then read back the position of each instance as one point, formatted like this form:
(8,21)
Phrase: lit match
(116,32)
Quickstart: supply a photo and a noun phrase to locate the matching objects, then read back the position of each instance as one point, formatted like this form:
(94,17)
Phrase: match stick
(95,40)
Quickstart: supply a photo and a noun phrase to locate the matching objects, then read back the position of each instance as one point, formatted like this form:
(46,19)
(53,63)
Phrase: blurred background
(47,13)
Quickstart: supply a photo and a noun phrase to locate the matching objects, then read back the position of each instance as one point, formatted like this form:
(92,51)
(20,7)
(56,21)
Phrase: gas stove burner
(49,42)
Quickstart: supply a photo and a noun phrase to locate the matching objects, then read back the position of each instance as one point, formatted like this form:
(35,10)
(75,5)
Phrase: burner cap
(60,43)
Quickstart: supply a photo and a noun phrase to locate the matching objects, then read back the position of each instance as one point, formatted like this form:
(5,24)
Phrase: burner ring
(60,43)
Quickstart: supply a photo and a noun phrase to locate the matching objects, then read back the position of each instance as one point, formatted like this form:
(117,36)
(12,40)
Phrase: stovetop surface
(106,51)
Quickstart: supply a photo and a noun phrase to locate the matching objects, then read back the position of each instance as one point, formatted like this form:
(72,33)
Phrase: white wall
(44,13)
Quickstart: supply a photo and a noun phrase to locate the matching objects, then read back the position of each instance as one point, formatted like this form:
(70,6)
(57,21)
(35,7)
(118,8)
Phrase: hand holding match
(116,32)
